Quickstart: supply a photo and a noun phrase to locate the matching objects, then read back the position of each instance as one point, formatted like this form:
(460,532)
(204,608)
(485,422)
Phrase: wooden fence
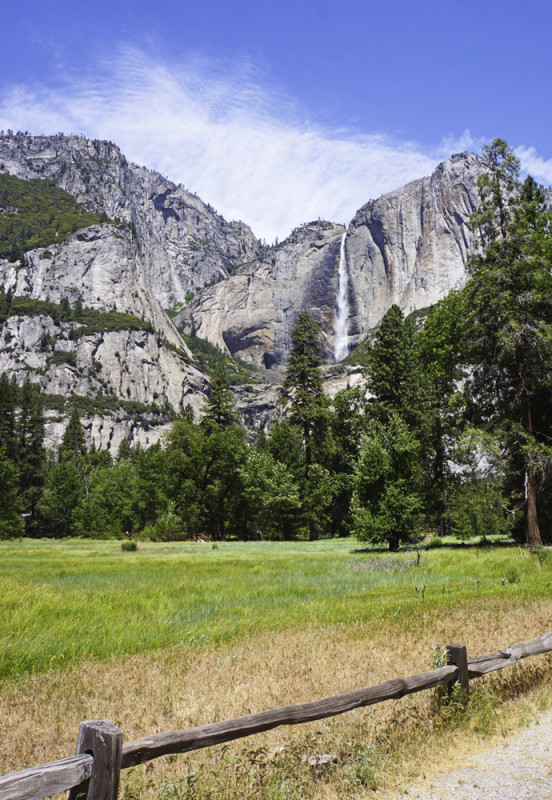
(94,772)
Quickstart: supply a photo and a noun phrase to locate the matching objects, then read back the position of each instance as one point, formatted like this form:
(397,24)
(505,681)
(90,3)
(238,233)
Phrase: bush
(435,541)
(129,546)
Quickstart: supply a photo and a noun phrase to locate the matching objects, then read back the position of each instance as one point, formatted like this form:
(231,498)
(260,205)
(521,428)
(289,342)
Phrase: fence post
(102,740)
(457,654)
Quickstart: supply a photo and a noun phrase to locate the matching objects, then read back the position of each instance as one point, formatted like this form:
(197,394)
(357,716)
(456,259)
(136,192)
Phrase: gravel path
(520,768)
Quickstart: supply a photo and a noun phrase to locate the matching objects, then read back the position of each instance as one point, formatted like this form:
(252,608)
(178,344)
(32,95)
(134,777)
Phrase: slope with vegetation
(37,213)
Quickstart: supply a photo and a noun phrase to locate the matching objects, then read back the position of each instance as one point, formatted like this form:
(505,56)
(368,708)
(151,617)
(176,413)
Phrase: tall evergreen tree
(63,491)
(11,521)
(347,424)
(219,410)
(391,365)
(73,443)
(386,500)
(303,384)
(304,395)
(31,456)
(509,315)
(440,348)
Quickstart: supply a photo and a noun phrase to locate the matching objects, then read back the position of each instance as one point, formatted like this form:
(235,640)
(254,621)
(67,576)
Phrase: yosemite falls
(341,339)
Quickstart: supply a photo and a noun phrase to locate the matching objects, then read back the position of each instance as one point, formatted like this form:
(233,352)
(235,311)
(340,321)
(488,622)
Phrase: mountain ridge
(163,248)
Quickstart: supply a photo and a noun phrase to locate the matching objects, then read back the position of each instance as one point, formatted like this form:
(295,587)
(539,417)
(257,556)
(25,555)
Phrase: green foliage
(210,359)
(391,372)
(307,404)
(303,385)
(166,528)
(477,508)
(37,214)
(386,501)
(64,490)
(106,404)
(11,521)
(9,393)
(129,546)
(439,348)
(272,496)
(110,506)
(202,477)
(63,357)
(508,310)
(219,410)
(89,321)
(73,444)
(30,455)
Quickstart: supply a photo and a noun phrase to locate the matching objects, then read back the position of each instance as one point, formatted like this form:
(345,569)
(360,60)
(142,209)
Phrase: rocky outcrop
(184,243)
(107,432)
(251,314)
(409,247)
(131,365)
(101,267)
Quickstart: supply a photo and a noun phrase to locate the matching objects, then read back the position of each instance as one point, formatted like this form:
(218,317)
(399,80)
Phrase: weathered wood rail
(94,772)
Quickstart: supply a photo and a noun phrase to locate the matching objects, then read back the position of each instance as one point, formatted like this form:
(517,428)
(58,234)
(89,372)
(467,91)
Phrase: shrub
(129,546)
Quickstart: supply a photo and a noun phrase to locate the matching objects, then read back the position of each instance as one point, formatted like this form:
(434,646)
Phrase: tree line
(451,432)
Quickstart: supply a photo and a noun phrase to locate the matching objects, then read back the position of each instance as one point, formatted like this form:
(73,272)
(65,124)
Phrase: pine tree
(307,404)
(509,315)
(440,348)
(31,456)
(124,450)
(219,411)
(73,444)
(303,385)
(391,374)
(11,521)
(386,499)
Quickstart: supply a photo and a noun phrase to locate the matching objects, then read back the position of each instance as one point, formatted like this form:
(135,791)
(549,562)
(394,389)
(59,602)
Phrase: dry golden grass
(383,745)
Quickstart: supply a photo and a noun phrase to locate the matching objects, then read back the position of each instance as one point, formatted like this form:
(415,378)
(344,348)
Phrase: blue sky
(279,112)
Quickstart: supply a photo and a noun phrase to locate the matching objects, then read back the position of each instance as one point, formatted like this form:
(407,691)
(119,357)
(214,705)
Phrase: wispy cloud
(228,135)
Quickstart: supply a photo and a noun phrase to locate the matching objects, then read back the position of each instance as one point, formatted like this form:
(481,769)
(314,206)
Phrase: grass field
(176,635)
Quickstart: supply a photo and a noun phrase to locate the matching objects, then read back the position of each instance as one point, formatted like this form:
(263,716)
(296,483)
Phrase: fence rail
(94,772)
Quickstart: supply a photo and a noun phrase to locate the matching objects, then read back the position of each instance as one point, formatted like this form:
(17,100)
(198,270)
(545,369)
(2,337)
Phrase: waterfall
(341,339)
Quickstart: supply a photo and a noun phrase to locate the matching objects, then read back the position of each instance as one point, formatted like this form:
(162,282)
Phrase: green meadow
(65,601)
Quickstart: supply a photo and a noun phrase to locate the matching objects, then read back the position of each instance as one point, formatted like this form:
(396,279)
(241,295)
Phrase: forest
(450,435)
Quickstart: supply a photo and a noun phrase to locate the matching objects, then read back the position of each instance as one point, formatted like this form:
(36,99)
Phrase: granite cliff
(409,247)
(163,249)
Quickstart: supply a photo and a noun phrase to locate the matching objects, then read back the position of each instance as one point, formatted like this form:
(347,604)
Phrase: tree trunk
(530,516)
(531,520)
(308,461)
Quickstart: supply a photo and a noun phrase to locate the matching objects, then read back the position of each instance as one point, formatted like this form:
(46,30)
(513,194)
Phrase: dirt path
(520,768)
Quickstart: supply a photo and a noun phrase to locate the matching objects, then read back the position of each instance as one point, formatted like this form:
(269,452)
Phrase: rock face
(252,313)
(409,247)
(184,244)
(101,267)
(170,250)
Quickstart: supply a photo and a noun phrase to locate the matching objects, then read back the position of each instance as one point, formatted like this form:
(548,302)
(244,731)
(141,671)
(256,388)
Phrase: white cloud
(535,165)
(242,145)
